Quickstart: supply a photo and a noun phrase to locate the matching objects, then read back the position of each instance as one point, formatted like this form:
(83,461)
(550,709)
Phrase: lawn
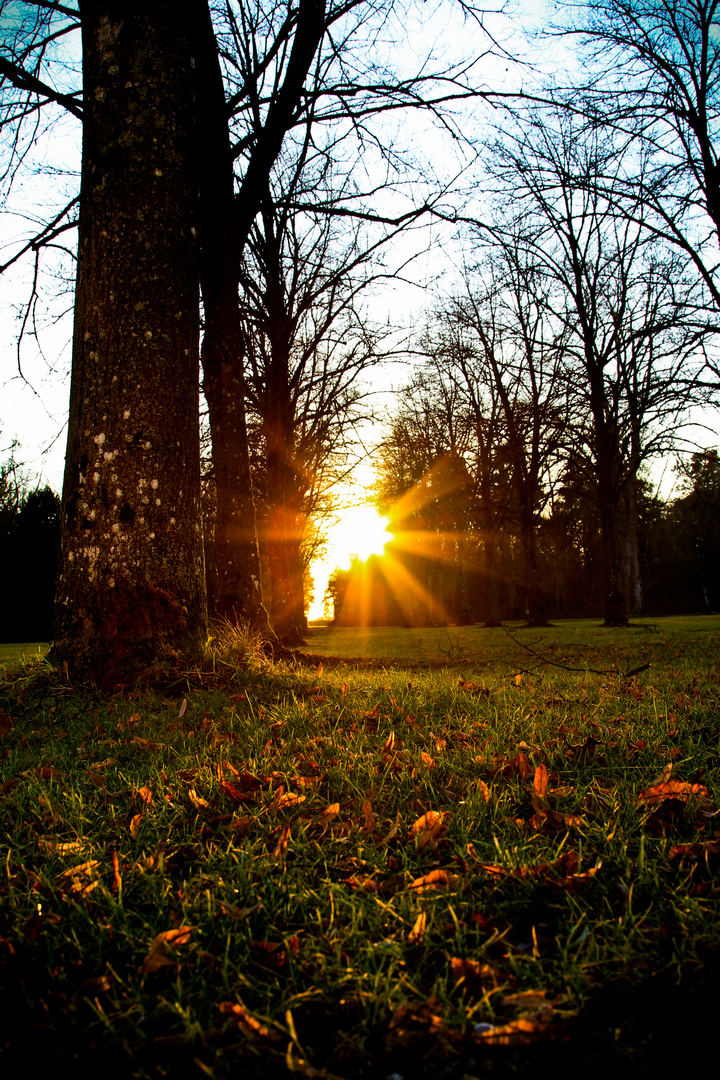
(504,861)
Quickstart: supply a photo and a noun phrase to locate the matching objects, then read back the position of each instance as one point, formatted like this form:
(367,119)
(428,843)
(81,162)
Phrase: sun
(359,532)
(362,532)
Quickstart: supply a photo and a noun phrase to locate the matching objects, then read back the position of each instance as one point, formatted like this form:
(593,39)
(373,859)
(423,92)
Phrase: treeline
(441,568)
(29,544)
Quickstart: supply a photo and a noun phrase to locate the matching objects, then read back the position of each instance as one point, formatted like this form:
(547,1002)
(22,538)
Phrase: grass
(9,654)
(350,872)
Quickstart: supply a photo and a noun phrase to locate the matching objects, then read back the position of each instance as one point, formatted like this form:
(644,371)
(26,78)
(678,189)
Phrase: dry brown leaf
(483,790)
(248,1024)
(135,822)
(674,789)
(197,800)
(280,851)
(516,1033)
(145,795)
(157,954)
(59,848)
(368,816)
(418,931)
(327,815)
(528,1000)
(540,781)
(183,709)
(426,759)
(287,799)
(427,821)
(436,879)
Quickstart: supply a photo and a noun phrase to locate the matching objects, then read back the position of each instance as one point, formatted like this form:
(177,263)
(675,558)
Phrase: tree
(656,67)
(307,344)
(622,305)
(316,68)
(505,324)
(131,584)
(29,544)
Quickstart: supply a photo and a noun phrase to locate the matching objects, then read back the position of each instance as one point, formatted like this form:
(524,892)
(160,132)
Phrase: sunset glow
(360,532)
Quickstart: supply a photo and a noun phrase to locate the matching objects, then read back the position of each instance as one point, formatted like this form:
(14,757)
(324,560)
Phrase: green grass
(573,929)
(22,650)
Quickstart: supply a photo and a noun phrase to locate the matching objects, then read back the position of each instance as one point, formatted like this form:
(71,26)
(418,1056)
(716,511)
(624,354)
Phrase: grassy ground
(22,650)
(493,865)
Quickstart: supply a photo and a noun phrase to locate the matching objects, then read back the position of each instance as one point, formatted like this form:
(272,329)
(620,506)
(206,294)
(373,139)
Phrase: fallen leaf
(540,781)
(247,1023)
(287,799)
(80,880)
(527,1000)
(436,879)
(169,939)
(280,851)
(235,795)
(674,789)
(327,815)
(418,931)
(183,709)
(197,800)
(516,1033)
(59,848)
(708,849)
(145,795)
(427,821)
(135,822)
(483,790)
(368,816)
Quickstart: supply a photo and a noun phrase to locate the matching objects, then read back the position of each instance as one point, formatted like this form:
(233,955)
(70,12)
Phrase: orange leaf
(281,850)
(674,789)
(516,1033)
(328,814)
(418,931)
(540,781)
(426,759)
(135,823)
(427,821)
(169,939)
(368,815)
(436,879)
(145,795)
(247,1023)
(288,798)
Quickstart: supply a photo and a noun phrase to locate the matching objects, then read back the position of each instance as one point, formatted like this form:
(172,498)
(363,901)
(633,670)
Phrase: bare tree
(623,308)
(506,323)
(656,81)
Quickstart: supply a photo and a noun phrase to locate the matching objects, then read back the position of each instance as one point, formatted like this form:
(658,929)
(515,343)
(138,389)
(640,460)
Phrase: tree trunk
(131,588)
(237,559)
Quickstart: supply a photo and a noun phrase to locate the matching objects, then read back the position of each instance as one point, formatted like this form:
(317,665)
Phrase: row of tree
(442,569)
(29,542)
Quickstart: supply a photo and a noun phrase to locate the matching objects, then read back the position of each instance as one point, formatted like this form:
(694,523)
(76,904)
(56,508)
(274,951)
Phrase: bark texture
(131,587)
(237,559)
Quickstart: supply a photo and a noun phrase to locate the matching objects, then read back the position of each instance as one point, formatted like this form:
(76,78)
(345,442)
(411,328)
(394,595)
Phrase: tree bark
(131,588)
(237,559)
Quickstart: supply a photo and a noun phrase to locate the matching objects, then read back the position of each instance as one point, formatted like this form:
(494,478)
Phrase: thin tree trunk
(131,587)
(237,559)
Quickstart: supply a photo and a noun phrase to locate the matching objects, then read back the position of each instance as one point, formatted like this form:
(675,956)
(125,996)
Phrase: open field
(22,650)
(496,865)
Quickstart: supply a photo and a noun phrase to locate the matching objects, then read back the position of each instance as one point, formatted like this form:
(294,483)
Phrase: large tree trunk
(131,587)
